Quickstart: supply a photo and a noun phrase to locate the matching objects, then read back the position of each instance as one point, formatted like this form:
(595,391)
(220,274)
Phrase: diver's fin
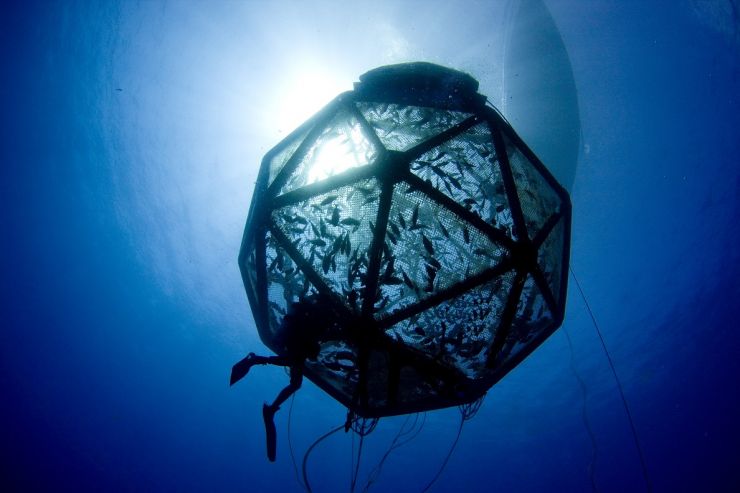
(240,370)
(267,414)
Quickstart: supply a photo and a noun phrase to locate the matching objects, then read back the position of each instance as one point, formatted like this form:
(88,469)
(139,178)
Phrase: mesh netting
(250,269)
(459,331)
(428,249)
(537,198)
(401,127)
(342,145)
(290,145)
(465,168)
(532,318)
(332,232)
(285,283)
(337,366)
(549,257)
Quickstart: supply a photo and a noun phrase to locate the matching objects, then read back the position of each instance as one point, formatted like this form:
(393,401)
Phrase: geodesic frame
(434,234)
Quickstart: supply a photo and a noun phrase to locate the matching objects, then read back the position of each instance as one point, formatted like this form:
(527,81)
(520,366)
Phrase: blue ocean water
(131,138)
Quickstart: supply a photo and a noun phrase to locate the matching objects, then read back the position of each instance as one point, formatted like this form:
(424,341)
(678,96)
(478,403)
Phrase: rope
(310,449)
(584,413)
(363,427)
(290,445)
(447,458)
(645,474)
(469,410)
(352,459)
(418,430)
(357,466)
(402,432)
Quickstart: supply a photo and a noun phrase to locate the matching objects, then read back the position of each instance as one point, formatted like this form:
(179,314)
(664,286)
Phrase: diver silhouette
(304,325)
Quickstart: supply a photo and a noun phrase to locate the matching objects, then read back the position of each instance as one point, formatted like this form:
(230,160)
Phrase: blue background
(130,138)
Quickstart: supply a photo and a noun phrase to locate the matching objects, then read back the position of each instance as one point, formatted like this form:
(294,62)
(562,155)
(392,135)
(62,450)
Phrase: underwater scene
(363,246)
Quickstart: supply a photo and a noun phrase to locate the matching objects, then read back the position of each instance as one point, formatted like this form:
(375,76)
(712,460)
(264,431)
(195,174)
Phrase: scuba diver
(303,327)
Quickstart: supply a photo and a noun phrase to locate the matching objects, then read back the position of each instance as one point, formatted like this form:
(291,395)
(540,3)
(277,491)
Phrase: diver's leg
(278,361)
(240,370)
(268,412)
(296,378)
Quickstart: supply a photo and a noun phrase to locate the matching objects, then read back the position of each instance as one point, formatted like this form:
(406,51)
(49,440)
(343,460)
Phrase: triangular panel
(427,250)
(329,236)
(278,161)
(532,318)
(341,146)
(536,196)
(401,127)
(466,169)
(459,331)
(550,258)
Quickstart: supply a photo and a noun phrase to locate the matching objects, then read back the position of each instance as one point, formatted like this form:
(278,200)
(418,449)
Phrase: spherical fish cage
(435,241)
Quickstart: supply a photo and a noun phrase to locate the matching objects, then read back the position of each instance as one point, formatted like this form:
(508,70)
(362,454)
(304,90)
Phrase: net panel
(333,231)
(401,127)
(459,332)
(550,258)
(537,198)
(427,249)
(341,146)
(286,284)
(280,159)
(466,169)
(250,270)
(532,318)
(336,365)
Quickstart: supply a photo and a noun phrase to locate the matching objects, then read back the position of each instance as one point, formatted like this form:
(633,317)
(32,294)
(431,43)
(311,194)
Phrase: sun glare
(345,151)
(303,93)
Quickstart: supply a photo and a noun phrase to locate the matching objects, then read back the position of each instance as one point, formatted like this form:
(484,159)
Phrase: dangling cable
(402,432)
(416,433)
(449,454)
(352,459)
(310,449)
(469,410)
(290,444)
(645,475)
(584,413)
(357,466)
(375,472)
(363,427)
